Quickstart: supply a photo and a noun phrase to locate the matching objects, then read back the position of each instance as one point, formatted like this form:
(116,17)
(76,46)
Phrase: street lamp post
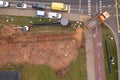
(80,6)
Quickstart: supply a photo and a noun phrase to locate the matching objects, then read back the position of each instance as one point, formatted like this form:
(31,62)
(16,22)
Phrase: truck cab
(104,16)
(95,21)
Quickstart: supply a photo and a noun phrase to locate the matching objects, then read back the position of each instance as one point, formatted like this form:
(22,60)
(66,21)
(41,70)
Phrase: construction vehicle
(59,6)
(94,22)
(24,28)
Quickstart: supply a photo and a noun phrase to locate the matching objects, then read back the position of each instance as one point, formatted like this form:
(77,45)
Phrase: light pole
(80,6)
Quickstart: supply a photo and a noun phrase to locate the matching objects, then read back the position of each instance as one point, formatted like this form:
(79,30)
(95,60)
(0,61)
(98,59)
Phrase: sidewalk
(89,56)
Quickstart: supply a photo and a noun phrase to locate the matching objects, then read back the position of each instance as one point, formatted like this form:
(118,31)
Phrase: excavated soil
(56,51)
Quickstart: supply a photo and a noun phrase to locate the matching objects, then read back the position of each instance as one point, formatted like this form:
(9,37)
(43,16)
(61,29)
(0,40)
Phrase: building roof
(9,75)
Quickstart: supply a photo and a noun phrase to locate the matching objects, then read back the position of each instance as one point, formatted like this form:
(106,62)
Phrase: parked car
(54,15)
(38,6)
(4,4)
(21,6)
(40,13)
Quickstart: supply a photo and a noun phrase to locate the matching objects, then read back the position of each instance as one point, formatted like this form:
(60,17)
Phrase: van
(59,6)
(54,15)
(40,13)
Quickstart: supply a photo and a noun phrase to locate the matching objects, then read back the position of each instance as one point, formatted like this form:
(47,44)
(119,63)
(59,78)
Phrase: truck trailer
(94,22)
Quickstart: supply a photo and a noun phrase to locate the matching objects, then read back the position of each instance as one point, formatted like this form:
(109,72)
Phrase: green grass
(51,29)
(43,72)
(24,20)
(106,33)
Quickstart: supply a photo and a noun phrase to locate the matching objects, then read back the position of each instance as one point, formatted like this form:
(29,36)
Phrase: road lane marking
(89,7)
(99,67)
(98,55)
(48,7)
(100,6)
(94,35)
(100,44)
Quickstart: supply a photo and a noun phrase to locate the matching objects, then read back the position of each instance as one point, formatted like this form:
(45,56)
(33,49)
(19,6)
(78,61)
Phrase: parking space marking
(69,9)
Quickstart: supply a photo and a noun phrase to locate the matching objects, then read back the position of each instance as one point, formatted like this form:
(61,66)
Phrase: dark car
(38,6)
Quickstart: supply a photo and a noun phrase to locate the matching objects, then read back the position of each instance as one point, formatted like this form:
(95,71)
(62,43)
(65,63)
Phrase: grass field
(107,34)
(22,20)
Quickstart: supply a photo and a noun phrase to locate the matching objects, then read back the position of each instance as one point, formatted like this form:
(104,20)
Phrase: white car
(40,13)
(4,4)
(54,15)
(21,6)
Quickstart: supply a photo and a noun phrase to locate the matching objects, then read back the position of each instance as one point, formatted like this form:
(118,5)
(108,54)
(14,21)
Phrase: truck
(94,22)
(59,6)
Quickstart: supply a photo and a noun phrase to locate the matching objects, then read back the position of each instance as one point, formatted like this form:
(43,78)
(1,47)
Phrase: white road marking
(89,7)
(109,5)
(69,9)
(100,6)
(104,6)
(98,55)
(48,7)
(100,44)
(94,35)
(99,67)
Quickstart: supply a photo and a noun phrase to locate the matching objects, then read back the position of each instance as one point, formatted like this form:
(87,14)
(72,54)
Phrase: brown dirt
(9,31)
(56,51)
(79,35)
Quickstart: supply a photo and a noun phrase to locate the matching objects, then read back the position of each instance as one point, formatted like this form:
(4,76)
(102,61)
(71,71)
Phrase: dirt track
(56,51)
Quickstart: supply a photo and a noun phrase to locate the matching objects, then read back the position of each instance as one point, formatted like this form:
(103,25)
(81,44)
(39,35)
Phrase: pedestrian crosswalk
(91,7)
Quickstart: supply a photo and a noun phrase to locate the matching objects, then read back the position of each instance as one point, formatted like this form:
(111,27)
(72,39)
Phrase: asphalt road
(74,5)
(92,7)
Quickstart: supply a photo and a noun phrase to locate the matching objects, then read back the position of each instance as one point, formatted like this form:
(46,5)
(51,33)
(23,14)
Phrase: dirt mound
(9,31)
(79,35)
(56,54)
